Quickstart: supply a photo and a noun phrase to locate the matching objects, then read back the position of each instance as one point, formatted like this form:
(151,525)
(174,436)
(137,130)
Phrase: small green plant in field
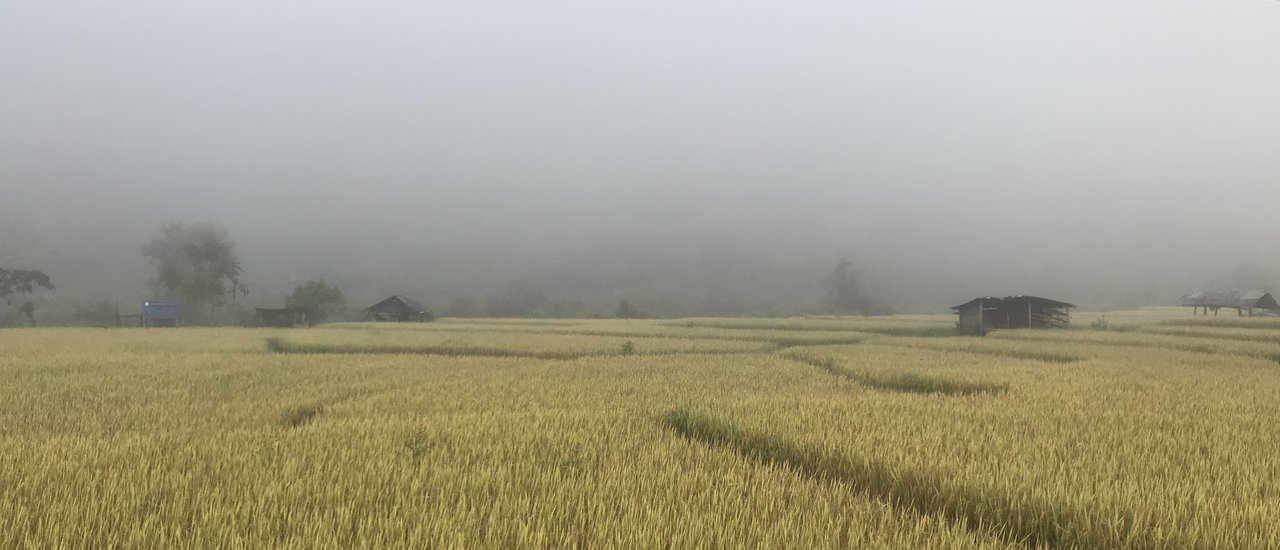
(1103,324)
(628,347)
(417,444)
(276,345)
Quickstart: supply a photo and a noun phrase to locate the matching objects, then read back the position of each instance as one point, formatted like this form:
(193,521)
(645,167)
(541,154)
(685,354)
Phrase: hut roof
(1244,300)
(397,304)
(1194,299)
(1033,299)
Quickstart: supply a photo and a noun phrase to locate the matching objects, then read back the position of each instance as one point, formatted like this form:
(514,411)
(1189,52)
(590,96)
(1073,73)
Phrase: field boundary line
(905,382)
(1023,521)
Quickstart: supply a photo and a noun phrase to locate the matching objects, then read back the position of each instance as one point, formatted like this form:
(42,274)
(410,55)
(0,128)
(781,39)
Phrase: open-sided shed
(1249,301)
(980,315)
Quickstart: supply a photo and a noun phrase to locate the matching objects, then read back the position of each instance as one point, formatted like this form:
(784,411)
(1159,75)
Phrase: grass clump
(417,444)
(1102,324)
(301,415)
(276,344)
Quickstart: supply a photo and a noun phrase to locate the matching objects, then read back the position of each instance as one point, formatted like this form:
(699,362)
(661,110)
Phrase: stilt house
(1253,302)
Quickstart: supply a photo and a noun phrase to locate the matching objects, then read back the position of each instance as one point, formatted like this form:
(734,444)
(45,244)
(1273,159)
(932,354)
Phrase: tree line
(198,266)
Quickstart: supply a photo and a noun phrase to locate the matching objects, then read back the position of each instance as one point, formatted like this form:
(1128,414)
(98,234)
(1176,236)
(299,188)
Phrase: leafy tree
(628,311)
(844,289)
(196,263)
(319,297)
(23,281)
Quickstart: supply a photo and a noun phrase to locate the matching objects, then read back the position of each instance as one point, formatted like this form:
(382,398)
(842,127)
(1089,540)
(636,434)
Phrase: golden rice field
(1162,431)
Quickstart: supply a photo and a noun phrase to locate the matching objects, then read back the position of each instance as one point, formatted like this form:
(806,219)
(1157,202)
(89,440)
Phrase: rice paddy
(816,432)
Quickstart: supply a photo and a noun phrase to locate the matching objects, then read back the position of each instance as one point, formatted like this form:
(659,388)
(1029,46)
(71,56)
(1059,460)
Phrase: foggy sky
(604,149)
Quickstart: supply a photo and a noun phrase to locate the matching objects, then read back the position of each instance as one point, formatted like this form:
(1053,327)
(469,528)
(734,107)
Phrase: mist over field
(695,158)
(630,274)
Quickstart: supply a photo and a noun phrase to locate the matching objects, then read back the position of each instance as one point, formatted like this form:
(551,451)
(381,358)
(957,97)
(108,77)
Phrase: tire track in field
(900,382)
(1028,355)
(837,337)
(1019,520)
(1206,348)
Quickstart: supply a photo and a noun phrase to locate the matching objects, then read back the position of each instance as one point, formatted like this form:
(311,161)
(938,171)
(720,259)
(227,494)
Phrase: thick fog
(694,157)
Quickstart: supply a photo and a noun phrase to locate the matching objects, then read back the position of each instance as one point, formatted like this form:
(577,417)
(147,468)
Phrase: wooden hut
(400,309)
(1253,302)
(283,317)
(980,315)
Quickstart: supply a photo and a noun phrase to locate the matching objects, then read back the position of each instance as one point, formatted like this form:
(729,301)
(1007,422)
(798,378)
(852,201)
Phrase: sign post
(160,313)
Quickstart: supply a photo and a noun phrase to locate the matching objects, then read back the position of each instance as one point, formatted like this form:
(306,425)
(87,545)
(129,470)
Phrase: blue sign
(158,309)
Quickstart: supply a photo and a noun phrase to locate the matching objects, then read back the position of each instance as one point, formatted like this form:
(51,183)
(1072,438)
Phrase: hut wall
(1017,313)
(1048,316)
(996,316)
(971,319)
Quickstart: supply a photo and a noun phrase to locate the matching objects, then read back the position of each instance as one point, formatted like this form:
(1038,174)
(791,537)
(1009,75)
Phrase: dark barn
(1251,302)
(283,317)
(399,308)
(980,315)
